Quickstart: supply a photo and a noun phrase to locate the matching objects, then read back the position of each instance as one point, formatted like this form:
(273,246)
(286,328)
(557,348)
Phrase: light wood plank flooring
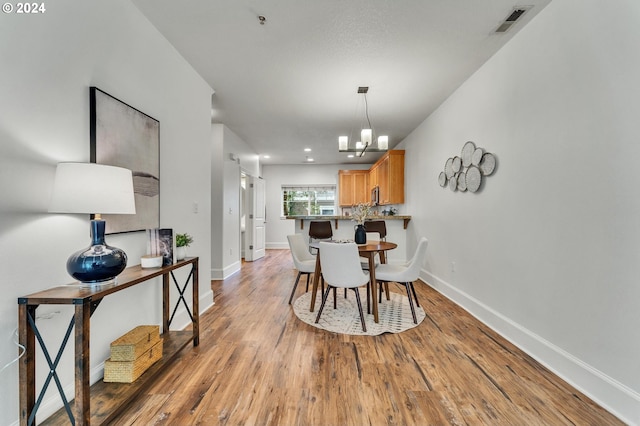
(257,364)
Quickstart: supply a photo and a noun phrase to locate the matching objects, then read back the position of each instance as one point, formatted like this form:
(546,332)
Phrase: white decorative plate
(476,158)
(457,164)
(453,182)
(467,152)
(448,168)
(442,179)
(473,178)
(488,163)
(462,181)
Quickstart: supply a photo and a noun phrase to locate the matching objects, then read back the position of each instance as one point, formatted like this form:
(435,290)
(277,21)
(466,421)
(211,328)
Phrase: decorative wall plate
(488,163)
(473,178)
(467,152)
(442,179)
(457,164)
(453,182)
(462,181)
(448,168)
(476,158)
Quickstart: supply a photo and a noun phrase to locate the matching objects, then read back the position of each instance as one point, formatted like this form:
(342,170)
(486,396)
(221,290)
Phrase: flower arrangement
(361,212)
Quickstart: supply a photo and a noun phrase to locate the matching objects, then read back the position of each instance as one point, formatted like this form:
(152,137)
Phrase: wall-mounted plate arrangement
(467,153)
(476,157)
(462,181)
(473,178)
(448,168)
(457,164)
(488,164)
(442,179)
(467,171)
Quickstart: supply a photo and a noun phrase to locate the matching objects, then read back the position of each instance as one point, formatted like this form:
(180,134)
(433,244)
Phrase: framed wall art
(126,137)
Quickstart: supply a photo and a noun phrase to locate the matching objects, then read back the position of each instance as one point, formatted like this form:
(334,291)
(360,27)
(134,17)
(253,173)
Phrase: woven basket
(136,342)
(129,371)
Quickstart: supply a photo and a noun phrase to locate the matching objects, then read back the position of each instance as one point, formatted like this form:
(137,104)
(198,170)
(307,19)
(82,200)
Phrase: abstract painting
(126,137)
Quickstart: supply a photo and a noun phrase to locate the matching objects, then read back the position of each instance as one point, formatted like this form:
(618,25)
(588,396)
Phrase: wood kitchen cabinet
(373,176)
(353,187)
(389,171)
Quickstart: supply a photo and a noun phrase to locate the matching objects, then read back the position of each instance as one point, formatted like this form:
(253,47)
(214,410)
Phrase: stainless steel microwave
(375,196)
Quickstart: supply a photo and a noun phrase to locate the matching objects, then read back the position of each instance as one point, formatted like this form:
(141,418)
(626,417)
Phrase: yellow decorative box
(136,342)
(129,371)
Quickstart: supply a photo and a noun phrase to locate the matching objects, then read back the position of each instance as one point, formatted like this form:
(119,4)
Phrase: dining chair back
(320,230)
(405,274)
(340,266)
(304,261)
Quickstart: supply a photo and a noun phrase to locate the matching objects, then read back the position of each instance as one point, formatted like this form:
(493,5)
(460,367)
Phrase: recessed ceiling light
(307,150)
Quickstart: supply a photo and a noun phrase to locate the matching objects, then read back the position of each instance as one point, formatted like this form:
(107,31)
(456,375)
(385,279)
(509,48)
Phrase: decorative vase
(99,262)
(361,235)
(181,252)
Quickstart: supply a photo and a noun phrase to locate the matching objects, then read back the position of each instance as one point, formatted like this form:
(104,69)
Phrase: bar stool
(320,230)
(379,226)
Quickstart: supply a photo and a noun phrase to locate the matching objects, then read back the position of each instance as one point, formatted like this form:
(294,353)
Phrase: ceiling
(291,83)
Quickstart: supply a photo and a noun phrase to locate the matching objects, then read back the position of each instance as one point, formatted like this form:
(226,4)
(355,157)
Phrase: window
(316,200)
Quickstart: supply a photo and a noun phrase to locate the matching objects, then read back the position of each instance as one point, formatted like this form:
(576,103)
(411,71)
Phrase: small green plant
(183,240)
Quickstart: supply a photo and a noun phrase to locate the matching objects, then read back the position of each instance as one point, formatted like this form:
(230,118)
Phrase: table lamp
(94,189)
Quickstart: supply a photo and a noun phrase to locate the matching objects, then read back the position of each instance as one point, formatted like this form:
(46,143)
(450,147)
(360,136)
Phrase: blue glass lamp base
(98,263)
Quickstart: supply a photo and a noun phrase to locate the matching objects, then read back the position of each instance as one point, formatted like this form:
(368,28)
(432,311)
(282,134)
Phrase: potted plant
(182,242)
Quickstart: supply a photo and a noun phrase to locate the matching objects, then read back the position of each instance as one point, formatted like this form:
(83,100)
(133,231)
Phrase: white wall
(225,195)
(547,251)
(49,62)
(305,174)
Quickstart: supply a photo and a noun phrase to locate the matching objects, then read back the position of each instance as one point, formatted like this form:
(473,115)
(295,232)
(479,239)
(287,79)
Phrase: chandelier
(366,142)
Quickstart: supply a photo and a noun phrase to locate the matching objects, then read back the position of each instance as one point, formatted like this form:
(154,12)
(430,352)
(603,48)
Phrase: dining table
(367,250)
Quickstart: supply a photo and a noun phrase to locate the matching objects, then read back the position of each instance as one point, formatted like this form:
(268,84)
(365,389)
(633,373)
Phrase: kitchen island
(343,228)
(405,219)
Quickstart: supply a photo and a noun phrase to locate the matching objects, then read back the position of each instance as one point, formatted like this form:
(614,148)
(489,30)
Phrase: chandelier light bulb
(366,136)
(383,142)
(343,143)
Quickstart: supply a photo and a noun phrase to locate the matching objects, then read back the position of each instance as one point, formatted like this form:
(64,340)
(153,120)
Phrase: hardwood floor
(257,364)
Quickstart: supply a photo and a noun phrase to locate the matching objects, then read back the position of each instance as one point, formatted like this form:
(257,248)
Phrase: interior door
(255,225)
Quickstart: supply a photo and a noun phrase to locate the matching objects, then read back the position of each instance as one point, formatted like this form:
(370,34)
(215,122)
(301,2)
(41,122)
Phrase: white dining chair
(304,261)
(405,274)
(340,265)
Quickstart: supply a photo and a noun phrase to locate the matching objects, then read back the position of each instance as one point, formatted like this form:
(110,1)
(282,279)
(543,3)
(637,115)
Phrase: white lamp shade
(383,142)
(343,143)
(92,188)
(365,136)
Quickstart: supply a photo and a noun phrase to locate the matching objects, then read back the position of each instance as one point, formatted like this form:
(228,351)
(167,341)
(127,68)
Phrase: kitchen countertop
(406,219)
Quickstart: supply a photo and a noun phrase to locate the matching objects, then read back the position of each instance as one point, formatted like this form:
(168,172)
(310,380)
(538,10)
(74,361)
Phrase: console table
(101,402)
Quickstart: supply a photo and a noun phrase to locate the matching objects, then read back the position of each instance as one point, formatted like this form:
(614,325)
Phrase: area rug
(394,315)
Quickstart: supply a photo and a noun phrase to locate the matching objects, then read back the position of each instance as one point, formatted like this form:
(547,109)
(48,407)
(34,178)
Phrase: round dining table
(368,250)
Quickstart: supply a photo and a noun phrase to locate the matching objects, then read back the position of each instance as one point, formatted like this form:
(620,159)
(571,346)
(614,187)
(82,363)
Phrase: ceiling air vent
(513,17)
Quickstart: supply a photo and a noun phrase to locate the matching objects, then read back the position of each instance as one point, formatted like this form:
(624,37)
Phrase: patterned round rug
(394,315)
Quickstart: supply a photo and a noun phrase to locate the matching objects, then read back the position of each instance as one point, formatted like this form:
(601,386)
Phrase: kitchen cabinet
(389,171)
(353,187)
(373,177)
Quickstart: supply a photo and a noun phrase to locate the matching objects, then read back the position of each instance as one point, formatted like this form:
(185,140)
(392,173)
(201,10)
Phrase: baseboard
(226,272)
(277,246)
(612,395)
